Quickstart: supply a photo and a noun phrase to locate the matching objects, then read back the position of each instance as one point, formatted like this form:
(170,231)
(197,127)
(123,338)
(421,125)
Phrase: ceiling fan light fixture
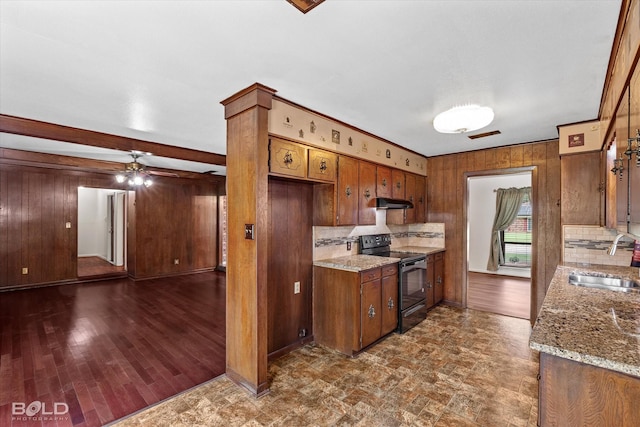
(465,118)
(134,173)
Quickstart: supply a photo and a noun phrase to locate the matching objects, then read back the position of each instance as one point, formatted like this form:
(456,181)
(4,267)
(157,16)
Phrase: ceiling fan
(136,174)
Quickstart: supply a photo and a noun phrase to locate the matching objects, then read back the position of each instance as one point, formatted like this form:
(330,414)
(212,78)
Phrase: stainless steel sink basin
(604,282)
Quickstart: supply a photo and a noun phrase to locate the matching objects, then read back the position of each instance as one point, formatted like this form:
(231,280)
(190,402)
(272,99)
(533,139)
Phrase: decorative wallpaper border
(294,122)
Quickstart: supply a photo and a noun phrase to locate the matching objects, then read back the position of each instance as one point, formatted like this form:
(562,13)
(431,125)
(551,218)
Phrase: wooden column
(247,118)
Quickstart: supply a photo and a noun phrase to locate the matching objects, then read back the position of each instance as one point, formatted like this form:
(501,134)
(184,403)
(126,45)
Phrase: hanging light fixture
(135,173)
(465,118)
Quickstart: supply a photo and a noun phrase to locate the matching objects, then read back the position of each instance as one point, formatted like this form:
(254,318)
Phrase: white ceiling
(157,70)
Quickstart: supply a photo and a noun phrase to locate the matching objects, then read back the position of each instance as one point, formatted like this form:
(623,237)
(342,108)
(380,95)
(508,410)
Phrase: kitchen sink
(600,281)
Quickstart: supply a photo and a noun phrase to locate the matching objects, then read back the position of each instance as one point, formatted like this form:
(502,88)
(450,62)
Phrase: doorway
(101,232)
(506,290)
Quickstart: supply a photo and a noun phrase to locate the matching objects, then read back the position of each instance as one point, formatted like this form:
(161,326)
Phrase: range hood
(386,203)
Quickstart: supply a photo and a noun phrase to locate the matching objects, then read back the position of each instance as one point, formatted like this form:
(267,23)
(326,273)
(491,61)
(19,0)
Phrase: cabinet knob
(390,304)
(347,191)
(384,182)
(372,312)
(439,280)
(367,194)
(323,166)
(398,185)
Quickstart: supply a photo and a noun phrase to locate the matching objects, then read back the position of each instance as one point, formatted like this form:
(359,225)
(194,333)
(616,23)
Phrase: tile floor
(457,368)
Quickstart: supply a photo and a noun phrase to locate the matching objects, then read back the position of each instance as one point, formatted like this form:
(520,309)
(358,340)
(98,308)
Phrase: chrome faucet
(612,249)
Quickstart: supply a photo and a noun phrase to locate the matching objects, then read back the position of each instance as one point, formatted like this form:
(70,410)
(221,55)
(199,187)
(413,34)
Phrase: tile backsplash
(331,242)
(589,244)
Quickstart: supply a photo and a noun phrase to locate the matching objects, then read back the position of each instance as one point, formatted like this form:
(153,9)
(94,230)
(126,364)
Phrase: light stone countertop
(418,249)
(355,262)
(577,322)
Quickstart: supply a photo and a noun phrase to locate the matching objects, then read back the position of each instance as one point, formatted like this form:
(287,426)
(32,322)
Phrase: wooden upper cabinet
(634,127)
(621,186)
(347,191)
(410,195)
(367,193)
(421,199)
(383,181)
(322,165)
(398,188)
(580,183)
(287,158)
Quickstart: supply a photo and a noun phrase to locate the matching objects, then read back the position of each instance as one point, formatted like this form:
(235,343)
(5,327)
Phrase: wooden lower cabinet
(576,394)
(435,279)
(352,310)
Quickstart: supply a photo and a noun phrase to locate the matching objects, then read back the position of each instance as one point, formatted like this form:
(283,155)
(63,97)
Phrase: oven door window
(413,279)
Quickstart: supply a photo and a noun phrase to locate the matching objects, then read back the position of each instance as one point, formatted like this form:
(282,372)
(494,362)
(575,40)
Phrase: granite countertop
(355,262)
(578,323)
(418,249)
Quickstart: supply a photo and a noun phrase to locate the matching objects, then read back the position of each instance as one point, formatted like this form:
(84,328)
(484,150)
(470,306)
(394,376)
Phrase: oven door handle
(412,263)
(413,310)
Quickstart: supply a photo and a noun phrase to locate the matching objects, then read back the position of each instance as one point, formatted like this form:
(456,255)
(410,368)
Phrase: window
(516,239)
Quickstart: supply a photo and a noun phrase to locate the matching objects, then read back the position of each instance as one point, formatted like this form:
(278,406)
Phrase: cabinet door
(438,290)
(397,191)
(580,183)
(410,195)
(429,288)
(622,183)
(383,182)
(634,167)
(370,312)
(322,165)
(367,193)
(287,158)
(421,199)
(389,303)
(347,191)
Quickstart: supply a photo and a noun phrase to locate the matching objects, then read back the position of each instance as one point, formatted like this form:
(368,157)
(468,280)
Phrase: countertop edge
(586,359)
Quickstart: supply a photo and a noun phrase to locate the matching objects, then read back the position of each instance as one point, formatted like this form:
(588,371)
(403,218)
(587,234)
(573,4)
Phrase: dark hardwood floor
(93,266)
(110,348)
(499,294)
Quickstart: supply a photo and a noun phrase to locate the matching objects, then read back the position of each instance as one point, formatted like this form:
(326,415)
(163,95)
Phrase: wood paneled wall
(446,183)
(175,218)
(291,260)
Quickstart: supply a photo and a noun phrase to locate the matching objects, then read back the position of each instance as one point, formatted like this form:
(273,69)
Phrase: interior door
(111,215)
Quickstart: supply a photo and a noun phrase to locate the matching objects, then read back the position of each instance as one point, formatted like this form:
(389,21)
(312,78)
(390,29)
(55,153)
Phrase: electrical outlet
(176,261)
(296,287)
(25,270)
(348,246)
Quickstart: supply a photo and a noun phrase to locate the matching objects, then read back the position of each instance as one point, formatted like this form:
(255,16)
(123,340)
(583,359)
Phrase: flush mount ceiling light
(466,118)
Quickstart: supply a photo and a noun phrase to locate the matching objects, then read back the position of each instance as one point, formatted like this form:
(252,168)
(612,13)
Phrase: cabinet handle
(390,303)
(411,199)
(288,158)
(367,194)
(323,166)
(348,191)
(398,185)
(439,280)
(372,312)
(384,182)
